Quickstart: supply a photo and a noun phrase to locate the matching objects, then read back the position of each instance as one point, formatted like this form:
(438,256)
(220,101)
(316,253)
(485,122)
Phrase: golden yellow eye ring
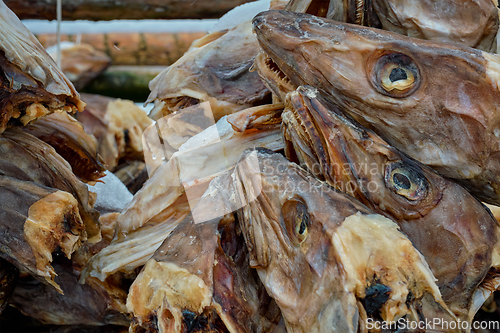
(394,74)
(395,77)
(406,181)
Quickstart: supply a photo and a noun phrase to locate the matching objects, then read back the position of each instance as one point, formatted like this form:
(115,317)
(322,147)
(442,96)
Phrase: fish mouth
(274,78)
(315,141)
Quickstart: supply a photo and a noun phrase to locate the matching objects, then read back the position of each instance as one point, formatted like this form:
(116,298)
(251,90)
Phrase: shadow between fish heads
(456,234)
(329,262)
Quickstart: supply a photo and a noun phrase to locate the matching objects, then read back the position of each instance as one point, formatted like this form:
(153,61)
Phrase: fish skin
(94,303)
(8,279)
(343,153)
(449,120)
(473,23)
(216,71)
(469,22)
(67,136)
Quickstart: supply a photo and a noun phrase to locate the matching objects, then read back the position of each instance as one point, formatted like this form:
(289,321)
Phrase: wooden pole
(95,10)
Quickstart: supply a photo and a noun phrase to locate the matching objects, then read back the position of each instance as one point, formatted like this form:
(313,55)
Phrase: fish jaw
(272,76)
(344,154)
(214,70)
(439,120)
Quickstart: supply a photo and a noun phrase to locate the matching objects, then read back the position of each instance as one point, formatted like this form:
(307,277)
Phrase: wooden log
(134,49)
(96,10)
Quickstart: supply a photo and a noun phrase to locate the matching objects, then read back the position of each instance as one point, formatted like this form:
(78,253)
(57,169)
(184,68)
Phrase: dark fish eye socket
(395,75)
(296,219)
(401,181)
(406,181)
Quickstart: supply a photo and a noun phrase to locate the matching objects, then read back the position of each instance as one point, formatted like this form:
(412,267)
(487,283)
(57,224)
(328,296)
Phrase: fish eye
(395,75)
(296,218)
(406,181)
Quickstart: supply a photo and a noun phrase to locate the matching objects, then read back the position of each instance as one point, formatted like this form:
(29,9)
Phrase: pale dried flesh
(200,280)
(117,125)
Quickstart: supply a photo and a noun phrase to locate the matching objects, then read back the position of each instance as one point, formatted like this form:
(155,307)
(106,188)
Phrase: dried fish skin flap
(94,303)
(36,221)
(31,85)
(174,188)
(27,158)
(70,140)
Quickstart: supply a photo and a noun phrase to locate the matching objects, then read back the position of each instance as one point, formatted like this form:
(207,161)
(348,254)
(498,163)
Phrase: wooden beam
(95,10)
(149,49)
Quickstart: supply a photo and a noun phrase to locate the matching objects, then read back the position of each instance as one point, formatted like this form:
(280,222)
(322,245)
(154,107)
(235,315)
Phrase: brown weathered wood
(122,9)
(137,49)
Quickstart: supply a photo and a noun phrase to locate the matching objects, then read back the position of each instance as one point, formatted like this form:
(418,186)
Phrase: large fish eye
(406,181)
(296,218)
(395,75)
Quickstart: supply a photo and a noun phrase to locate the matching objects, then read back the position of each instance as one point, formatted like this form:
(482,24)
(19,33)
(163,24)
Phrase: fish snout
(280,26)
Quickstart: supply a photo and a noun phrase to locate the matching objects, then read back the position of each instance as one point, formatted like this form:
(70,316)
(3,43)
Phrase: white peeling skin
(126,254)
(202,157)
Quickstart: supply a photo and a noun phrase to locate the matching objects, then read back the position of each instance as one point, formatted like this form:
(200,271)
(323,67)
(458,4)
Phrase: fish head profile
(435,101)
(330,263)
(451,228)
